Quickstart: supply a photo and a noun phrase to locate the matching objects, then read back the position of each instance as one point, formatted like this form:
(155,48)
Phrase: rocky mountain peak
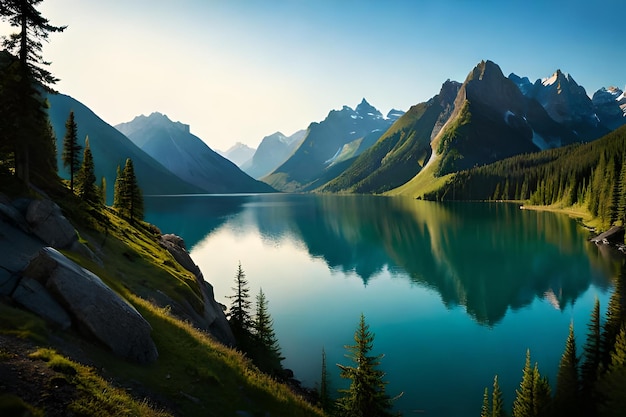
(364,109)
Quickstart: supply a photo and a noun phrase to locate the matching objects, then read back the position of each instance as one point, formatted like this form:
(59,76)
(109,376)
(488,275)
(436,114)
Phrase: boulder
(97,310)
(213,318)
(48,223)
(33,296)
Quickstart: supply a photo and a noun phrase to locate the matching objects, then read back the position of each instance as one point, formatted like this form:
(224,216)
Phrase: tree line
(590,385)
(591,175)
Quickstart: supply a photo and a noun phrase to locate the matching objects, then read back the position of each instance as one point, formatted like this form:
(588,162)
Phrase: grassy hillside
(193,376)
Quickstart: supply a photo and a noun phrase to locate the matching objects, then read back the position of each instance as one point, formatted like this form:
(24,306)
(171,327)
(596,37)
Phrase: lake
(454,293)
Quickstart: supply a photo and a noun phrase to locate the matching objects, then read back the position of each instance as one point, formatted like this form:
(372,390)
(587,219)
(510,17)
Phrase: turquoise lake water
(455,293)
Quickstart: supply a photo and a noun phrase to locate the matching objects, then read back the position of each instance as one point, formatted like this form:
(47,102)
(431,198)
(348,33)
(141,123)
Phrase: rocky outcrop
(48,223)
(213,318)
(96,310)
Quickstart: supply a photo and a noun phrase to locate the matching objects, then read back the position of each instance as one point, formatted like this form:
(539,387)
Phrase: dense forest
(591,175)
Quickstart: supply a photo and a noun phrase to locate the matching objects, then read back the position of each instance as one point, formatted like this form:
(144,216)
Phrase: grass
(22,324)
(423,183)
(95,396)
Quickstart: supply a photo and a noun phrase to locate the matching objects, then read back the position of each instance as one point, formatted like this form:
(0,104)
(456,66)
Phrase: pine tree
(117,188)
(103,191)
(326,403)
(591,360)
(268,356)
(71,148)
(24,120)
(566,398)
(239,313)
(86,179)
(613,382)
(128,198)
(533,398)
(366,396)
(485,409)
(615,317)
(498,403)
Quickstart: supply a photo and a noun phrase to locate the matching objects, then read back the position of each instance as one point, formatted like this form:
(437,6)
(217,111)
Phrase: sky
(239,70)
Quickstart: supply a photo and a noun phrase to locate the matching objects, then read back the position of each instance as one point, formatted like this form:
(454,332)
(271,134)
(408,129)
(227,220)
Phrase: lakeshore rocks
(213,318)
(613,236)
(96,309)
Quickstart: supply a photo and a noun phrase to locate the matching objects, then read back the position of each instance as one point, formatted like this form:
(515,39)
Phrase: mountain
(610,106)
(110,148)
(402,151)
(272,152)
(187,156)
(323,153)
(238,154)
(566,102)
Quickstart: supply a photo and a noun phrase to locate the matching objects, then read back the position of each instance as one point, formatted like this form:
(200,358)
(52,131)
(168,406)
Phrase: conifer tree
(566,397)
(71,148)
(103,191)
(590,360)
(326,403)
(485,409)
(23,119)
(366,396)
(612,384)
(86,179)
(239,313)
(532,398)
(498,403)
(268,356)
(117,188)
(128,198)
(615,317)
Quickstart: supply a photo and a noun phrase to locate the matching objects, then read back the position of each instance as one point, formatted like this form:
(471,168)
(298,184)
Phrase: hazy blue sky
(239,70)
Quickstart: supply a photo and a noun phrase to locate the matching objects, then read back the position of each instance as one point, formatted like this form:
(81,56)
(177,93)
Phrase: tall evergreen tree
(498,402)
(326,402)
(103,191)
(128,198)
(566,397)
(485,410)
(590,360)
(532,398)
(117,187)
(268,351)
(615,317)
(23,118)
(86,179)
(612,384)
(366,396)
(239,313)
(71,148)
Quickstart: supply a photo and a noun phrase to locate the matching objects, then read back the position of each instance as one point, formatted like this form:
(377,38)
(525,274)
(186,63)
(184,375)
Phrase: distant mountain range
(485,119)
(187,156)
(272,152)
(239,153)
(110,148)
(330,146)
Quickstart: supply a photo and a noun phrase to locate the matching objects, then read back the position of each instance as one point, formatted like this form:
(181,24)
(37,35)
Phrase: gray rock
(48,223)
(98,310)
(33,296)
(213,318)
(13,216)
